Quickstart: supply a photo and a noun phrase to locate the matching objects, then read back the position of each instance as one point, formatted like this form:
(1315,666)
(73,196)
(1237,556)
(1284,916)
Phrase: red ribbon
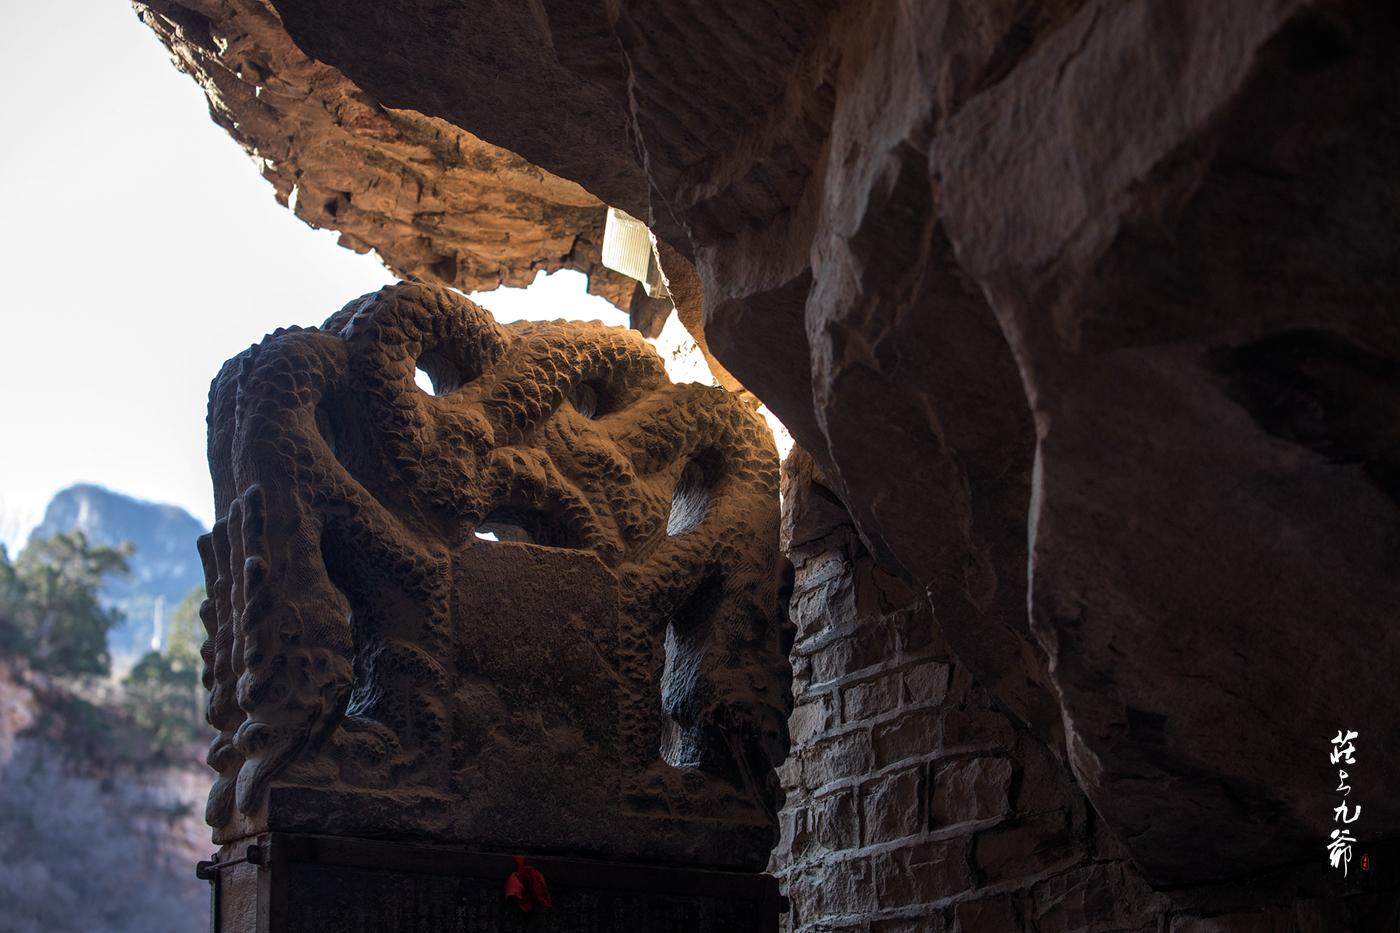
(527,886)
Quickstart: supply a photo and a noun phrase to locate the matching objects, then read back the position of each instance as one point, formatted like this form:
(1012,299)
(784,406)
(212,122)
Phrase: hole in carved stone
(436,374)
(681,747)
(683,740)
(528,525)
(522,526)
(504,531)
(690,501)
(585,400)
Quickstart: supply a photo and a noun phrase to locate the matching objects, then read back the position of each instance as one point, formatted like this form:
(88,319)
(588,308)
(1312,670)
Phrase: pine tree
(48,597)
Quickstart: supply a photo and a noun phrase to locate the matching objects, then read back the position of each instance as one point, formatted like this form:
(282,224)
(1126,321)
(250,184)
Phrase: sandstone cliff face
(435,201)
(92,838)
(1085,310)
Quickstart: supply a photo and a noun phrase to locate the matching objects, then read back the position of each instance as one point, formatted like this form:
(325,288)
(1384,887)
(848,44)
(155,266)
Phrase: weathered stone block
(792,837)
(834,821)
(970,789)
(920,873)
(841,756)
(926,684)
(870,698)
(789,773)
(801,673)
(868,646)
(1023,847)
(912,735)
(815,510)
(835,890)
(823,605)
(893,806)
(814,716)
(833,660)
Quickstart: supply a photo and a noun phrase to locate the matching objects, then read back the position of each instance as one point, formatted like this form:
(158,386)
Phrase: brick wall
(914,804)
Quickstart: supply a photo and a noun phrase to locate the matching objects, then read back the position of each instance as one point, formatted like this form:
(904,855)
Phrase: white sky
(139,249)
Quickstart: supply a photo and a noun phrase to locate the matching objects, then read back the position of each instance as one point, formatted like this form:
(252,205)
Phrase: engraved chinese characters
(538,608)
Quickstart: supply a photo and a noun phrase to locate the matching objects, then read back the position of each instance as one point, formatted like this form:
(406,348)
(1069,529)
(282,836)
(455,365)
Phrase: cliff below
(96,832)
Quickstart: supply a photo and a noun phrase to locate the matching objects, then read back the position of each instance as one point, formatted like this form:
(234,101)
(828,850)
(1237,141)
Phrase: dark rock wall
(1085,308)
(917,803)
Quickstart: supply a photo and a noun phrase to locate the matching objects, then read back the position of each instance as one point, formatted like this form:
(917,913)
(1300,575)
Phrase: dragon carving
(538,606)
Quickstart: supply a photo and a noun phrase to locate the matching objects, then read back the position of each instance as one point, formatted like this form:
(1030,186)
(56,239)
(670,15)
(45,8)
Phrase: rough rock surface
(916,803)
(1084,306)
(605,674)
(96,833)
(436,202)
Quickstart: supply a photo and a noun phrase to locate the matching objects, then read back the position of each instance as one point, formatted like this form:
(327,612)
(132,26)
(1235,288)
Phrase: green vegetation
(51,617)
(49,610)
(163,691)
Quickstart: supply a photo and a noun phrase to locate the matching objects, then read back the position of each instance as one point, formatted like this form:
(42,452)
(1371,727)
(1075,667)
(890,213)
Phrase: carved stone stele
(608,677)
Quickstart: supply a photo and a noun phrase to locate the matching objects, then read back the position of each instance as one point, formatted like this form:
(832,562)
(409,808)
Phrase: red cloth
(527,886)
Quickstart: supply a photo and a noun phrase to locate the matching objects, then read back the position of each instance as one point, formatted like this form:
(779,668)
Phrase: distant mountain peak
(86,506)
(165,565)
